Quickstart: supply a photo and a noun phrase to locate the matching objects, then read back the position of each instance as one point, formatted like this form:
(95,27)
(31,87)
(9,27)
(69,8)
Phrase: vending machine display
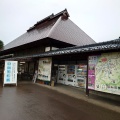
(71,69)
(61,74)
(71,77)
(81,72)
(74,75)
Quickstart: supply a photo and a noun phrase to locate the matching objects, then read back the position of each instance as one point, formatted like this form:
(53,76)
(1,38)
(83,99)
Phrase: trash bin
(52,83)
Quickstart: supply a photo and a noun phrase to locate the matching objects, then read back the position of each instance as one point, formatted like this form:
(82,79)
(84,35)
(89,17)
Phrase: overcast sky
(100,19)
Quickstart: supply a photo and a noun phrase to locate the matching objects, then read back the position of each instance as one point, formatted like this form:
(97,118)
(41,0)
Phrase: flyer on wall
(91,71)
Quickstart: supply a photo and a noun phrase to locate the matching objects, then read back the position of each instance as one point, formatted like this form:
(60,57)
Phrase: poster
(91,82)
(91,71)
(10,73)
(104,74)
(44,69)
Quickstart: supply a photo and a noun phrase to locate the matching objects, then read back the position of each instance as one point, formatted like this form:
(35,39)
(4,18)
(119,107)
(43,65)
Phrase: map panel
(107,73)
(104,72)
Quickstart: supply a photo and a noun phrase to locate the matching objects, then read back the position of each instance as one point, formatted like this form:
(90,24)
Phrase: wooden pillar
(87,90)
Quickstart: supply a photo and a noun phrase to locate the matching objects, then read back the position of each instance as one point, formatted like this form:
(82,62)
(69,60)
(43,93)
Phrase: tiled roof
(66,31)
(109,45)
(58,27)
(31,36)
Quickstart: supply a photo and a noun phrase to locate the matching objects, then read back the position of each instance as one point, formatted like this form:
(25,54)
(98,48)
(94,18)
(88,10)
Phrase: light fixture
(22,62)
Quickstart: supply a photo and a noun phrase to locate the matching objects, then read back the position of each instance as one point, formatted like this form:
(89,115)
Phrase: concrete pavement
(29,101)
(80,94)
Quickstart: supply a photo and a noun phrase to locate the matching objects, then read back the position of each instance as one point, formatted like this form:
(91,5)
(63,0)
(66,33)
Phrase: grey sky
(100,19)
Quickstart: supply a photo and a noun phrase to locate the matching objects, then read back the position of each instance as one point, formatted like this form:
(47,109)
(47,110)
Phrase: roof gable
(57,27)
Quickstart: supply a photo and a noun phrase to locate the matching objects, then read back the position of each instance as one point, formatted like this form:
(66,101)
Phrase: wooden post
(87,90)
(51,69)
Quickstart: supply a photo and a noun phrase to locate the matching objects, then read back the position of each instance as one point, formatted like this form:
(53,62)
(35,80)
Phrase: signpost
(10,72)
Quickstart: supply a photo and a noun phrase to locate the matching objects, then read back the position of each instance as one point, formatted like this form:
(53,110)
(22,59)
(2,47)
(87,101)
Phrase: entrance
(25,70)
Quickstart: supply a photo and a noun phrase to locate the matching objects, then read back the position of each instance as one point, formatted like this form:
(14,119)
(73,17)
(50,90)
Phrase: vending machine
(71,76)
(61,74)
(81,75)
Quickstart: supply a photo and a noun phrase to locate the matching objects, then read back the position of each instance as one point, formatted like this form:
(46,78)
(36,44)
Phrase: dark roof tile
(66,31)
(31,36)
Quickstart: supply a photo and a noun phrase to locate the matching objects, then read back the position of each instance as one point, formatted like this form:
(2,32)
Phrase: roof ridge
(52,16)
(44,19)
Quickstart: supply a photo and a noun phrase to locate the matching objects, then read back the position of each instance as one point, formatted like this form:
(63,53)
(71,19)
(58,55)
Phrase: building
(62,52)
(53,32)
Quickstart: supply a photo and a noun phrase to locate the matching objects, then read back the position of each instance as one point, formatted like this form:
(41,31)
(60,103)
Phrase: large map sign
(107,73)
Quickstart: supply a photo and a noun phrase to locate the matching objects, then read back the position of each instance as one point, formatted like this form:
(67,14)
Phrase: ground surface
(33,102)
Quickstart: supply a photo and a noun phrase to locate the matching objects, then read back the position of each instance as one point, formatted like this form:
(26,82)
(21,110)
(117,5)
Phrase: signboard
(104,73)
(44,69)
(10,73)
